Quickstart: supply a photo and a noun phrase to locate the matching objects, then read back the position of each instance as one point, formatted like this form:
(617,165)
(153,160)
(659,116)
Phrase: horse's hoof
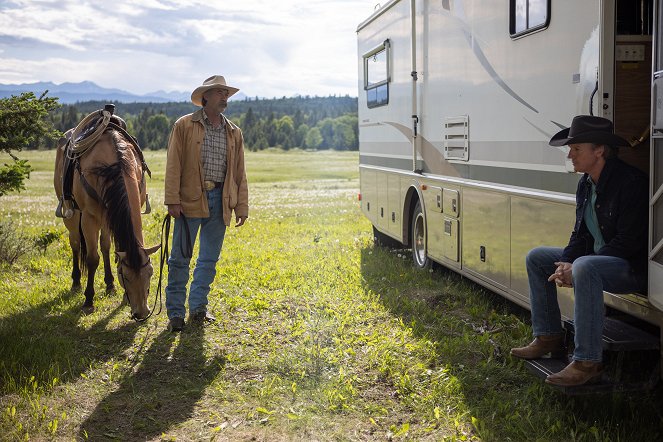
(75,288)
(110,289)
(87,309)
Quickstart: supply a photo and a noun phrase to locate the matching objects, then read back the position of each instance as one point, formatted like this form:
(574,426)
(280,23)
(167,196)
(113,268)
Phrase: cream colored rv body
(457,102)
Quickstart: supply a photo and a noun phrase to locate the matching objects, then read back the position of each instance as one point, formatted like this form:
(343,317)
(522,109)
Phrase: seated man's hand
(563,275)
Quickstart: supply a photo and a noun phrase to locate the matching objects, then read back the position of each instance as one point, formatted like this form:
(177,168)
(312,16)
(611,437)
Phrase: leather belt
(209,185)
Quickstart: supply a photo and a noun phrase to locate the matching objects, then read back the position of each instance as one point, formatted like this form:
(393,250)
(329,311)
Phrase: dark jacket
(622,210)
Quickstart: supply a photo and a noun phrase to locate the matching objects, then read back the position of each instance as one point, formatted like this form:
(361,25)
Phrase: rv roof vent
(457,138)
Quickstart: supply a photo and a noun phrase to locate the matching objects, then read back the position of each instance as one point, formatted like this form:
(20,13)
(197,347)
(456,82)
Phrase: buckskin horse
(100,173)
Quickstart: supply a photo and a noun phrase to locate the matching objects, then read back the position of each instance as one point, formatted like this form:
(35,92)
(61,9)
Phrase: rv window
(376,75)
(528,16)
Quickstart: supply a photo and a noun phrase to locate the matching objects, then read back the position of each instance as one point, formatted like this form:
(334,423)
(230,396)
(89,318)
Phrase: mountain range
(70,93)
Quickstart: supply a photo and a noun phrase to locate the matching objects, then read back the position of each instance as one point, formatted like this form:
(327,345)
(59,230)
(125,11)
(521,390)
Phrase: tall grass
(320,336)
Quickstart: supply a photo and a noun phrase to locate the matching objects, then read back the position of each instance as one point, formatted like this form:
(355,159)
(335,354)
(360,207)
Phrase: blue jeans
(212,232)
(592,274)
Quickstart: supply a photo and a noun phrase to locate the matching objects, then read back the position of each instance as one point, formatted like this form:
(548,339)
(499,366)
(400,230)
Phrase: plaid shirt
(214,150)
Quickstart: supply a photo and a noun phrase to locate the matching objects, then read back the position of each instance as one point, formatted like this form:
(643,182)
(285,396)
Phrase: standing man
(607,251)
(205,180)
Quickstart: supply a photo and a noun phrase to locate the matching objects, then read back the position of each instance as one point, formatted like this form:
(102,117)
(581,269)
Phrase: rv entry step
(621,336)
(631,360)
(547,366)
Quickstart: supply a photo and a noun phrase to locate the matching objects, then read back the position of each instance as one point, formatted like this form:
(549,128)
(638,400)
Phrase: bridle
(187,251)
(123,283)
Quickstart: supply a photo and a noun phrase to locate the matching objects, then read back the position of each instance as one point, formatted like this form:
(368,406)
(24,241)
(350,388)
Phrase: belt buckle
(209,185)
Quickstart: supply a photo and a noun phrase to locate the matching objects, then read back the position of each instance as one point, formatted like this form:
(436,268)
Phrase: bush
(13,245)
(46,238)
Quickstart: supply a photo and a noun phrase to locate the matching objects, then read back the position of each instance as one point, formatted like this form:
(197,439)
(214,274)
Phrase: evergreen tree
(156,132)
(262,120)
(24,121)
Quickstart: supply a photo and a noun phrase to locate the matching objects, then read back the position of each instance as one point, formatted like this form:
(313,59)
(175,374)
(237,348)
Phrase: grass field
(320,336)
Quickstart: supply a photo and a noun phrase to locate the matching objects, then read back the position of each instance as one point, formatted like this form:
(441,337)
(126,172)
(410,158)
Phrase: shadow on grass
(48,342)
(160,393)
(472,330)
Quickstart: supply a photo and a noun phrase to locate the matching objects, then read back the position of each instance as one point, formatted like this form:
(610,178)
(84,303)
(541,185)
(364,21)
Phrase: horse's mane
(116,201)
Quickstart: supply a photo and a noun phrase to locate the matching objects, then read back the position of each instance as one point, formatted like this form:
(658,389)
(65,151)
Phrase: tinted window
(376,75)
(528,15)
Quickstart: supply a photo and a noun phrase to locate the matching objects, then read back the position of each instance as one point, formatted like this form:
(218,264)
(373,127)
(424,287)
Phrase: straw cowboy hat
(213,82)
(588,129)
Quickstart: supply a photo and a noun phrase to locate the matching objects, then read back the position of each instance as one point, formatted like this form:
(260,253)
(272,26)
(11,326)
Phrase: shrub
(13,245)
(46,238)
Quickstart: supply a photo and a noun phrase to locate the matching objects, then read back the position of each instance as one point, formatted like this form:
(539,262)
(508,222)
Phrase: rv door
(656,166)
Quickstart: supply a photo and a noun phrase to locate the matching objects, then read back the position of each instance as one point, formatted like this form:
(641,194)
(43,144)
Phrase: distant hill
(70,93)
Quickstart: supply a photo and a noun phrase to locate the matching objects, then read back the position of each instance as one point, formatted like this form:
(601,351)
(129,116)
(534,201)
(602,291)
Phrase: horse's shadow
(48,342)
(161,392)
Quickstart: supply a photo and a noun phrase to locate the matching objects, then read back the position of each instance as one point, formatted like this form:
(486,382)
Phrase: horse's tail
(82,255)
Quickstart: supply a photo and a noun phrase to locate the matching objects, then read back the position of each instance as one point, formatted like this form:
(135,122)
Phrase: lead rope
(187,252)
(163,256)
(187,247)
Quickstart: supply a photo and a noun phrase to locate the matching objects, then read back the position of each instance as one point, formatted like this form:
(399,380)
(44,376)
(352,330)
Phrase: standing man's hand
(240,220)
(563,275)
(175,210)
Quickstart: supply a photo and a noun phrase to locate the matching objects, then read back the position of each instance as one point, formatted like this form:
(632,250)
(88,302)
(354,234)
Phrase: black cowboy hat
(588,129)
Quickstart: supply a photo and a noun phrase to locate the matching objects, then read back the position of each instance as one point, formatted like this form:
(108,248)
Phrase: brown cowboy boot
(577,373)
(541,346)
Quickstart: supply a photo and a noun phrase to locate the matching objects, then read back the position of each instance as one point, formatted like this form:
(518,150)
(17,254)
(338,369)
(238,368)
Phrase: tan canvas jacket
(184,170)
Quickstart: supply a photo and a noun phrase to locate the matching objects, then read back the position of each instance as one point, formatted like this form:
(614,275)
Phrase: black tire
(419,246)
(383,240)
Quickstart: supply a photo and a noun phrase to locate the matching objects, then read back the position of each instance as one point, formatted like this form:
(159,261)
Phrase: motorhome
(457,102)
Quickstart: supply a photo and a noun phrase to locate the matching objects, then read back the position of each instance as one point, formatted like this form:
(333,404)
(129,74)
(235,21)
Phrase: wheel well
(411,200)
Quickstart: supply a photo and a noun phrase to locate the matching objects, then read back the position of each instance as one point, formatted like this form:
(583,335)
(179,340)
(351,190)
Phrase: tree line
(287,122)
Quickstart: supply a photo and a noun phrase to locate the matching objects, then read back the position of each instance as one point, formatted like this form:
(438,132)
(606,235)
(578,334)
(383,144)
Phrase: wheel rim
(419,240)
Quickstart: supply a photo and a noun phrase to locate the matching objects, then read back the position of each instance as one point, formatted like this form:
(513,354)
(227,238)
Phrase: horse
(108,189)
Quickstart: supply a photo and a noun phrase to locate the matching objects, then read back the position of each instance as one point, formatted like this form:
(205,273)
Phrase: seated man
(607,251)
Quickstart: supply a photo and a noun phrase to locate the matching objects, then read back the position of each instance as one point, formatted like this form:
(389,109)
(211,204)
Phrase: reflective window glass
(520,15)
(528,15)
(376,66)
(538,12)
(376,76)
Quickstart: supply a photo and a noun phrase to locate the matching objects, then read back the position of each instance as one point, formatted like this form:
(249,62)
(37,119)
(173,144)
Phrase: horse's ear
(152,249)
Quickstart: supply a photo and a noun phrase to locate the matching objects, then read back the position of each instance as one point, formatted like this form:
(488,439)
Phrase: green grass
(320,336)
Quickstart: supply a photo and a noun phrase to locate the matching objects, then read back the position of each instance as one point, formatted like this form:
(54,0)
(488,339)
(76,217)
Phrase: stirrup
(63,212)
(148,207)
(58,210)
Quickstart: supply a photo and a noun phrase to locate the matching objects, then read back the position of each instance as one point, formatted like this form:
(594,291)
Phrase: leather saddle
(77,141)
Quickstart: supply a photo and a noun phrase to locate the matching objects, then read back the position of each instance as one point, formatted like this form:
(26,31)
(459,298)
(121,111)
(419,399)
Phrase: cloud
(263,47)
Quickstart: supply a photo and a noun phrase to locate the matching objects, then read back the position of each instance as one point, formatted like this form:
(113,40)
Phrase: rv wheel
(419,255)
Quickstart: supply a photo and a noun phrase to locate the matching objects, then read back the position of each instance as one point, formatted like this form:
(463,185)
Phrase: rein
(120,275)
(187,252)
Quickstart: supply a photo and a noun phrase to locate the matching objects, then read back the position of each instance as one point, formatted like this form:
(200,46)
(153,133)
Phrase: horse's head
(136,282)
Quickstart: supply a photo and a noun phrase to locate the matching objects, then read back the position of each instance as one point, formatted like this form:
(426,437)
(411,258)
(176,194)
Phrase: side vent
(457,138)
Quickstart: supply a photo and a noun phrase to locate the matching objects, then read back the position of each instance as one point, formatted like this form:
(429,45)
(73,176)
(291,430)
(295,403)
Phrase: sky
(266,48)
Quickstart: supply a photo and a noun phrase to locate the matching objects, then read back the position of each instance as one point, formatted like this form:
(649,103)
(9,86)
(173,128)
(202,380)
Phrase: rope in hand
(187,252)
(186,247)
